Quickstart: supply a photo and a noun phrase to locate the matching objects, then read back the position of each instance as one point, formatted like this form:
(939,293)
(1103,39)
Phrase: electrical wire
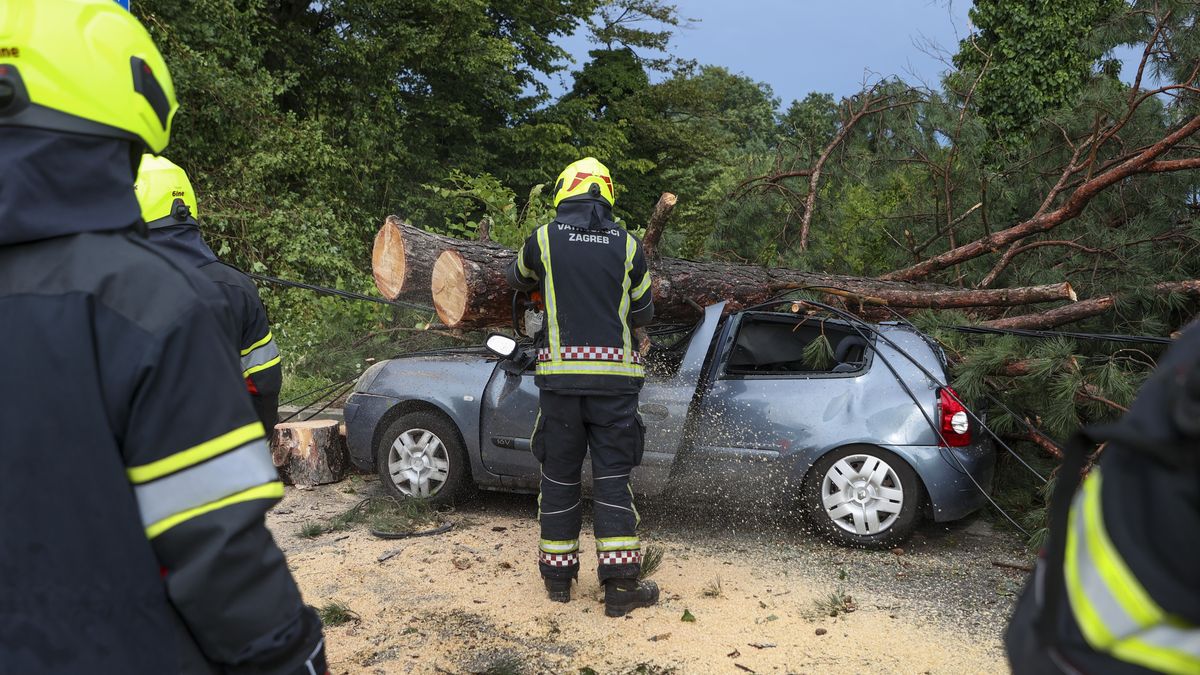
(349,295)
(1047,334)
(322,390)
(330,401)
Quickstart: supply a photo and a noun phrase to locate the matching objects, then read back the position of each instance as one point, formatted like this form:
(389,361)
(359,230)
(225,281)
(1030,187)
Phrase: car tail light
(956,426)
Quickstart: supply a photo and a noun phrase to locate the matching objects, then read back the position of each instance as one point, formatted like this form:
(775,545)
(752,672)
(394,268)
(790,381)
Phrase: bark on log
(656,224)
(469,289)
(402,260)
(469,286)
(309,453)
(1084,309)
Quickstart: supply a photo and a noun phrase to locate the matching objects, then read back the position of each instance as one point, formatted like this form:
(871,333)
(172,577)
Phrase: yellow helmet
(85,67)
(579,177)
(165,193)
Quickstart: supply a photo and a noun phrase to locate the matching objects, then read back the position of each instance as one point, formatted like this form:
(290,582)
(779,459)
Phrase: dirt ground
(759,588)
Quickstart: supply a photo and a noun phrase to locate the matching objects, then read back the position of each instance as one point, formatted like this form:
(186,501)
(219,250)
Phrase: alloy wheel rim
(862,494)
(418,463)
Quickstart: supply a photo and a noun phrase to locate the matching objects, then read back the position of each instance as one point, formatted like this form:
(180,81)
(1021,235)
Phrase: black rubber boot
(559,590)
(621,596)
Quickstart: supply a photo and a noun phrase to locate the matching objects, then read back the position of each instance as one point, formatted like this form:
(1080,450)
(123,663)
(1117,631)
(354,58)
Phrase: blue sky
(799,46)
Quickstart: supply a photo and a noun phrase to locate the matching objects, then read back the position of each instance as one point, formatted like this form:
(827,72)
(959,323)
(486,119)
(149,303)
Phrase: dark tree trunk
(469,288)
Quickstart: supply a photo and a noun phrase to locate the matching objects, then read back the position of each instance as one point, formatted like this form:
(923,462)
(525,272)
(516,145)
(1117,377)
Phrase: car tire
(863,497)
(420,456)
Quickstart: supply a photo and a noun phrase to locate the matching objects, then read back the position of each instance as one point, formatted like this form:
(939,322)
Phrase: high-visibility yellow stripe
(525,271)
(564,546)
(1113,610)
(267,338)
(585,368)
(533,434)
(1129,592)
(623,312)
(618,544)
(272,490)
(194,455)
(548,284)
(259,368)
(1086,615)
(1156,658)
(637,517)
(641,288)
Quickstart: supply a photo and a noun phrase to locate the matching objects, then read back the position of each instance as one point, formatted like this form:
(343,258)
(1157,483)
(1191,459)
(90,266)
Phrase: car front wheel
(420,457)
(864,497)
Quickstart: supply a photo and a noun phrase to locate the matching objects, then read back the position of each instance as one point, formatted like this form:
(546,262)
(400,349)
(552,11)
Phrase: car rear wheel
(863,496)
(420,457)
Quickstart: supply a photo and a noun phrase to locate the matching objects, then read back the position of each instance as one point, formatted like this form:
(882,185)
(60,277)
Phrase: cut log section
(309,453)
(402,260)
(469,288)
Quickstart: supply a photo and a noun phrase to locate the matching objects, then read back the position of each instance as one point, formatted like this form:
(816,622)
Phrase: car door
(510,403)
(755,412)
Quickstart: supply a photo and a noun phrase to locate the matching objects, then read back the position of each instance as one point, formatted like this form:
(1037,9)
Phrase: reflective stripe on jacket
(1110,606)
(596,286)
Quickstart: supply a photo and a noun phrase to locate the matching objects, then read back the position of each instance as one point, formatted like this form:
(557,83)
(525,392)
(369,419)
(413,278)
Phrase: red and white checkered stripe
(560,559)
(589,354)
(619,557)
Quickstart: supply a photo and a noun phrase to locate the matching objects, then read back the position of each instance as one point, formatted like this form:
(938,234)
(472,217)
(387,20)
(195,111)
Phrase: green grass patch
(334,613)
(713,589)
(311,530)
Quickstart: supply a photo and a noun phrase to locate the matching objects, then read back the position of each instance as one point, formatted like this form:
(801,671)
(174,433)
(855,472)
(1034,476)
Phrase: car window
(781,345)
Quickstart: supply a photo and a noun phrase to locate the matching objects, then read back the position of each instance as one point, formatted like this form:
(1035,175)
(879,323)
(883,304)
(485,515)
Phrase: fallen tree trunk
(309,453)
(469,289)
(1085,309)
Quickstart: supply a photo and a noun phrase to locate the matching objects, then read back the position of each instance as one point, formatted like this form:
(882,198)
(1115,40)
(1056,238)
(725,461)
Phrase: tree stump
(309,453)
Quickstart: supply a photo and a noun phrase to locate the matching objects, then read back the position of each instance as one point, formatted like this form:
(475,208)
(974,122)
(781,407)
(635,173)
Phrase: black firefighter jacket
(136,472)
(259,354)
(596,287)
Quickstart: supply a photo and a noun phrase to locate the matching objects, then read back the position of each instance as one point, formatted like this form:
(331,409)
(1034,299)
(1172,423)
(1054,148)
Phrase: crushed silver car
(869,443)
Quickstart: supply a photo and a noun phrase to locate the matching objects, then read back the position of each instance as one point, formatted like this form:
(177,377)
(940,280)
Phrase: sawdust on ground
(470,601)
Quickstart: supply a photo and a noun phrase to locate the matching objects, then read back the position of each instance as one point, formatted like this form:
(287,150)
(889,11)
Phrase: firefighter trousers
(567,427)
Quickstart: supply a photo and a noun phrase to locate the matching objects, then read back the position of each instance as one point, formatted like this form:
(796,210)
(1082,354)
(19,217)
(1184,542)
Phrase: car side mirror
(501,345)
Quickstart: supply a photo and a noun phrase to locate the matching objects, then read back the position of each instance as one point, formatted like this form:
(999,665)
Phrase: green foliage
(651,560)
(483,196)
(311,530)
(1031,57)
(818,354)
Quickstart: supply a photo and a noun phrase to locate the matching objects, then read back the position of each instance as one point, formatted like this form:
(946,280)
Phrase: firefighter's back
(82,319)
